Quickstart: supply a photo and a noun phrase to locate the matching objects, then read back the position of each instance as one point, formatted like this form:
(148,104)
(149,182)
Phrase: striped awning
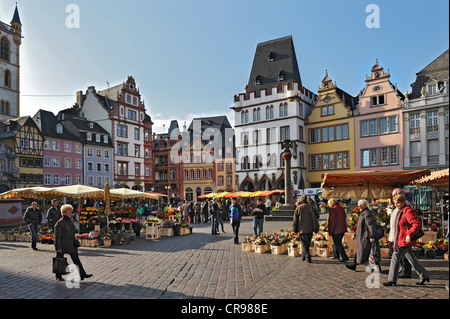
(437,179)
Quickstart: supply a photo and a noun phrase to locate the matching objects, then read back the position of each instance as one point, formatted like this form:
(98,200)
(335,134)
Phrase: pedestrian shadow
(18,286)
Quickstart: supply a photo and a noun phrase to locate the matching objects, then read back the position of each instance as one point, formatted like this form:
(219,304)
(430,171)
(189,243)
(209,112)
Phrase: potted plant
(293,249)
(430,250)
(261,244)
(247,244)
(322,249)
(106,238)
(276,246)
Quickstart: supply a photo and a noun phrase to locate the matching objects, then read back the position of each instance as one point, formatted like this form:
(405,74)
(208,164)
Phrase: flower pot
(3,237)
(276,250)
(446,256)
(247,247)
(322,252)
(261,249)
(385,253)
(430,253)
(293,251)
(106,242)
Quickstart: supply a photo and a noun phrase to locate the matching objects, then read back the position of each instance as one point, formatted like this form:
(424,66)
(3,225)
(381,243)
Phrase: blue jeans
(214,224)
(34,228)
(258,223)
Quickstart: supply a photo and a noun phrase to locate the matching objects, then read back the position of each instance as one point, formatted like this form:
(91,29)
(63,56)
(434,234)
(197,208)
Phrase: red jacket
(414,225)
(337,220)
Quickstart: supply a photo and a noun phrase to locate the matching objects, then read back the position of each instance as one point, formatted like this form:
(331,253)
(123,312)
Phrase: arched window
(269,160)
(254,115)
(7,79)
(186,174)
(4,49)
(174,175)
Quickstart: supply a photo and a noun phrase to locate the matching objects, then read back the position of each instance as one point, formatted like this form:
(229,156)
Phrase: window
(269,112)
(106,167)
(414,123)
(55,161)
(89,136)
(325,134)
(393,127)
(136,133)
(384,125)
(256,137)
(47,179)
(55,179)
(137,169)
(186,174)
(283,110)
(377,100)
(432,121)
(98,153)
(198,174)
(105,139)
(68,163)
(300,133)
(132,115)
(78,148)
(56,145)
(99,181)
(90,152)
(78,164)
(4,49)
(285,133)
(372,127)
(99,167)
(220,180)
(68,179)
(90,167)
(432,89)
(78,179)
(7,79)
(244,117)
(98,138)
(47,161)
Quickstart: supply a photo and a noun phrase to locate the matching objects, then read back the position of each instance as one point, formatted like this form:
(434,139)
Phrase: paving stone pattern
(201,265)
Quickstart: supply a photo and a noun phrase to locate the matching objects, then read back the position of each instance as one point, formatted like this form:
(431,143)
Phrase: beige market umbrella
(29,192)
(78,191)
(126,193)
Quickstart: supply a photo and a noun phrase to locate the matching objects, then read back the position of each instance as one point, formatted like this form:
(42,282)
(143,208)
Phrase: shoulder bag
(418,235)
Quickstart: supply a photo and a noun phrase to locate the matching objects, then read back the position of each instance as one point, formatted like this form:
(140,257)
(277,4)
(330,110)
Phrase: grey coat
(303,219)
(365,229)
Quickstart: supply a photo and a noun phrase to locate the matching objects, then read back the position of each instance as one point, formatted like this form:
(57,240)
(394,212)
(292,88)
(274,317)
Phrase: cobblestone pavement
(202,266)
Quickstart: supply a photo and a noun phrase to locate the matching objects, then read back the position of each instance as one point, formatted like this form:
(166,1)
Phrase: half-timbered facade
(24,137)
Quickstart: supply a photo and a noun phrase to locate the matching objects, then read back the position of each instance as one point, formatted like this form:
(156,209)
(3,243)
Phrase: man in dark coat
(33,217)
(337,226)
(53,214)
(65,241)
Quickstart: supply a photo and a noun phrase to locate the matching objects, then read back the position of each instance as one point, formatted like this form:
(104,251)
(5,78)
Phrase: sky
(190,57)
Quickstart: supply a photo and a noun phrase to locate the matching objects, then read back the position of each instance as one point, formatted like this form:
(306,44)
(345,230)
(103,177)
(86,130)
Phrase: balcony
(432,128)
(414,130)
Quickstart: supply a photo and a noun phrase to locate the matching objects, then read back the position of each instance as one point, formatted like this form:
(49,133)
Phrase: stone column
(287,177)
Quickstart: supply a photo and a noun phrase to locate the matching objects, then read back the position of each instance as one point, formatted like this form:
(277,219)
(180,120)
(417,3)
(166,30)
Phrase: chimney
(79,99)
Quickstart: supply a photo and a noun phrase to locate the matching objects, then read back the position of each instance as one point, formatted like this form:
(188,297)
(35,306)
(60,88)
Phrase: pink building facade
(379,141)
(63,152)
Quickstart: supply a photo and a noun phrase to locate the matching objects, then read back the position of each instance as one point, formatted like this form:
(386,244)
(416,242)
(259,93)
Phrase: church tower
(10,41)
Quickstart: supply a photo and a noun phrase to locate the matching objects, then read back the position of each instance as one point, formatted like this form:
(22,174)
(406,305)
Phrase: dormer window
(271,57)
(91,125)
(281,76)
(59,129)
(258,80)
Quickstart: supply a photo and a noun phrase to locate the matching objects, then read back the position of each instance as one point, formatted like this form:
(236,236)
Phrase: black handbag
(416,236)
(315,223)
(379,232)
(60,265)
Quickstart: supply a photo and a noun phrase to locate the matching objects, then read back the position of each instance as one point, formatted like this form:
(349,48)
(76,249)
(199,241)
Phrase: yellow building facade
(330,128)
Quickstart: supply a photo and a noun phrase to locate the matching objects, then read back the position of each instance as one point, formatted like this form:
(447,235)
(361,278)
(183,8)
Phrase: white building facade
(426,118)
(272,109)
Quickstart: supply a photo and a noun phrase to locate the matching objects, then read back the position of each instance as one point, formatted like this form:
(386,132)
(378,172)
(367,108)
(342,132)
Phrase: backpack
(235,213)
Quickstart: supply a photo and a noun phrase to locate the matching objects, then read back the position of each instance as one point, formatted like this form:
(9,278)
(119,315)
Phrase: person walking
(405,267)
(406,225)
(197,211)
(258,217)
(365,236)
(303,224)
(33,218)
(185,211)
(53,214)
(220,216)
(235,213)
(337,226)
(214,215)
(65,242)
(205,207)
(268,205)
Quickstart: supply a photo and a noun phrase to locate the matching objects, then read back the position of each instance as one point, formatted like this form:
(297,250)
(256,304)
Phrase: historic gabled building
(378,123)
(63,152)
(24,137)
(167,178)
(272,109)
(10,41)
(330,133)
(121,112)
(426,117)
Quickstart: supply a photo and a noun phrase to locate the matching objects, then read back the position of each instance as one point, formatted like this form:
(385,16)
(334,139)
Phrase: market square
(181,155)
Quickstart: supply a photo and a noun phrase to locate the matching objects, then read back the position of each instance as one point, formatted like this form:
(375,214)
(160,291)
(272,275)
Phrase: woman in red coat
(407,224)
(337,226)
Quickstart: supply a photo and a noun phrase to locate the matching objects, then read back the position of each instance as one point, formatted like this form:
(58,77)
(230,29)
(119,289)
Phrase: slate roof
(438,70)
(81,126)
(47,123)
(271,58)
(14,126)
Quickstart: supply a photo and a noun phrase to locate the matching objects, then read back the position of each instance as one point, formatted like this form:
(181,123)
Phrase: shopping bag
(60,265)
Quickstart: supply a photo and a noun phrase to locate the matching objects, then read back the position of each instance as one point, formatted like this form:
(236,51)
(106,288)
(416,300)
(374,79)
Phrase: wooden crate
(276,250)
(429,236)
(247,247)
(167,232)
(261,249)
(152,232)
(294,251)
